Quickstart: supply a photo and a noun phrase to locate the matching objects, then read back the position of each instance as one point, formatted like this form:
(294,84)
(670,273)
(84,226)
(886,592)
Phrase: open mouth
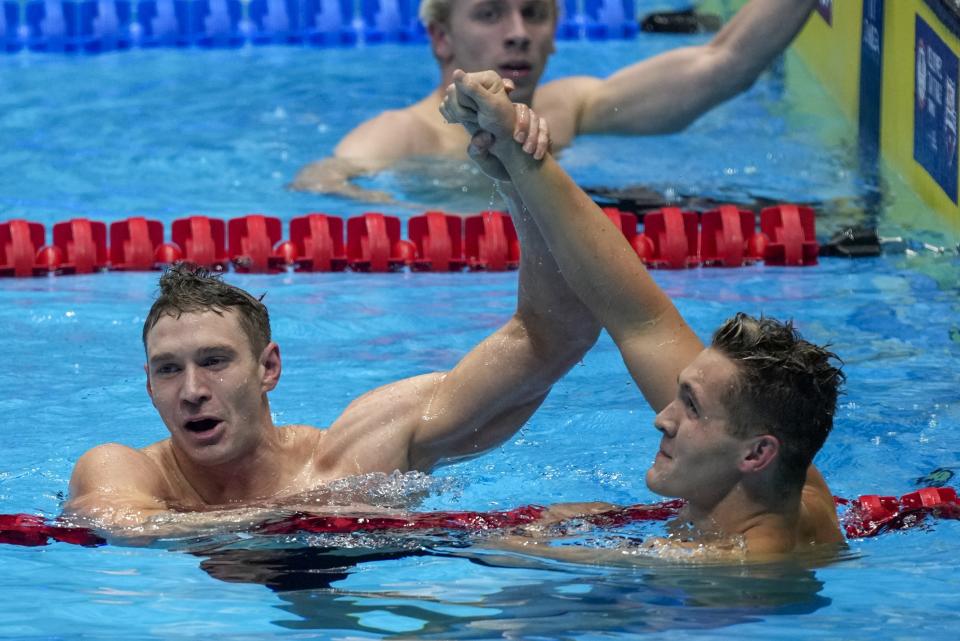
(202,425)
(515,69)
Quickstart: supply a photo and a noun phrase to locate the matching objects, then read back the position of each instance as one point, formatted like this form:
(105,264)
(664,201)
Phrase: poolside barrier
(436,241)
(92,26)
(866,516)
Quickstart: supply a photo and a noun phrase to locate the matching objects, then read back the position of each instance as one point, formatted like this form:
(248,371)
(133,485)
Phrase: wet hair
(785,386)
(188,289)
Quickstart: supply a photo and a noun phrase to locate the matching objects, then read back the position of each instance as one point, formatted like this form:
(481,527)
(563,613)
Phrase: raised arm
(667,92)
(596,260)
(442,417)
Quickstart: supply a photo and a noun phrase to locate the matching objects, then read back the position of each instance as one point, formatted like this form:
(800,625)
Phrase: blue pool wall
(93,26)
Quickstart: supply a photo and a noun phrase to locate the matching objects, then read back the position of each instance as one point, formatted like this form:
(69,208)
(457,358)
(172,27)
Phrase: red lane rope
(436,241)
(866,516)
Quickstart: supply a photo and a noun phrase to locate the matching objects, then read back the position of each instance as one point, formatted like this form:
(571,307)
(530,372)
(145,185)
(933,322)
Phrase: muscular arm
(605,272)
(666,93)
(494,389)
(440,418)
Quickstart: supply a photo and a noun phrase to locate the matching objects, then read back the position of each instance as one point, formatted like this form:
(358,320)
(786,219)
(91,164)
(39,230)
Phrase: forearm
(335,176)
(594,257)
(128,522)
(666,93)
(550,309)
(762,29)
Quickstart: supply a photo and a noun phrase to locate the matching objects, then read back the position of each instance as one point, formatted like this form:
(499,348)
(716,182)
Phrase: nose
(665,421)
(194,390)
(517,35)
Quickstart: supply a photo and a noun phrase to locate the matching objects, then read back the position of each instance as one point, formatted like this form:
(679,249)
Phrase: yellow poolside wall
(832,53)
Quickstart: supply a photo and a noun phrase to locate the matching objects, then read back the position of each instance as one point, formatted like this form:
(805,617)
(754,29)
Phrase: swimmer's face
(512,37)
(209,387)
(699,458)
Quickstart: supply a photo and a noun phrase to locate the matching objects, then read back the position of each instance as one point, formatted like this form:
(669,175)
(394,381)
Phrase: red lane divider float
(374,245)
(134,243)
(202,241)
(82,244)
(866,516)
(872,514)
(491,242)
(438,242)
(675,237)
(792,235)
(19,243)
(317,241)
(670,238)
(729,239)
(251,242)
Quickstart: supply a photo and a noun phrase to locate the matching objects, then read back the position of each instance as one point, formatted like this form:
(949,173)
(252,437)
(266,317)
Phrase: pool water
(168,133)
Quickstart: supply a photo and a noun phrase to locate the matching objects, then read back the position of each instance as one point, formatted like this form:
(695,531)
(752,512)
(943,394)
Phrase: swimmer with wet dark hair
(741,420)
(661,94)
(211,362)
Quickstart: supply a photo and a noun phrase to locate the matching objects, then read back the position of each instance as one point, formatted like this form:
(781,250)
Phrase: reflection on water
(443,584)
(510,595)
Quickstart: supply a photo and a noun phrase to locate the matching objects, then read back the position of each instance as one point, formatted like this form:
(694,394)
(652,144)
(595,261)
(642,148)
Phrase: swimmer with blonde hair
(740,420)
(515,38)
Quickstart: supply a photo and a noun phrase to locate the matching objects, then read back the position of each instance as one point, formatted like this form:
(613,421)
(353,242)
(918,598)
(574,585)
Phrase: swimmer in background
(741,420)
(662,94)
(211,362)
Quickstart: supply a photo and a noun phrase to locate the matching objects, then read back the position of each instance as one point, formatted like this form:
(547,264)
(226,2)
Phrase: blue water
(171,133)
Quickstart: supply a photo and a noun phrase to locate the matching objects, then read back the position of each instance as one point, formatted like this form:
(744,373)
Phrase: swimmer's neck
(256,475)
(766,525)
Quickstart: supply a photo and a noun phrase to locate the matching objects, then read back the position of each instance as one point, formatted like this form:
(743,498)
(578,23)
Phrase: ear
(271,366)
(761,452)
(440,42)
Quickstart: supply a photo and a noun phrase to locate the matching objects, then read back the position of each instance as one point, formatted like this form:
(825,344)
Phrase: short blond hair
(434,11)
(438,11)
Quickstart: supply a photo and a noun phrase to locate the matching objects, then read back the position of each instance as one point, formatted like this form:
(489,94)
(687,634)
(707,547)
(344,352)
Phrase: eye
(537,12)
(214,362)
(166,369)
(487,13)
(691,407)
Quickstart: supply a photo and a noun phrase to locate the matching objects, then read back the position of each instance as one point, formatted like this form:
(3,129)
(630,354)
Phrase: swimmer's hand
(481,103)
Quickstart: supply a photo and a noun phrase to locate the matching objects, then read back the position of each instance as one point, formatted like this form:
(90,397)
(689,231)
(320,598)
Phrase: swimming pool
(155,133)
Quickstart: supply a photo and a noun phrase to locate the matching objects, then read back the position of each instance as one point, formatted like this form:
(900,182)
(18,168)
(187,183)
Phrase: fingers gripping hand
(531,131)
(480,102)
(486,94)
(457,108)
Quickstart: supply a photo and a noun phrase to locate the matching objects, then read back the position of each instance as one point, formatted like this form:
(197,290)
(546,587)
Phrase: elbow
(733,70)
(559,343)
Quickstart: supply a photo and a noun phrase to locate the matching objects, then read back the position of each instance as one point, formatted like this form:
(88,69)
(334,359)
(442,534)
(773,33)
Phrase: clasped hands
(498,127)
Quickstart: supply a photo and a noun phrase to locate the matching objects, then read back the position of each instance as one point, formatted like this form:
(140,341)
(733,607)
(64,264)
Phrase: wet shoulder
(818,516)
(300,437)
(394,133)
(113,465)
(562,102)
